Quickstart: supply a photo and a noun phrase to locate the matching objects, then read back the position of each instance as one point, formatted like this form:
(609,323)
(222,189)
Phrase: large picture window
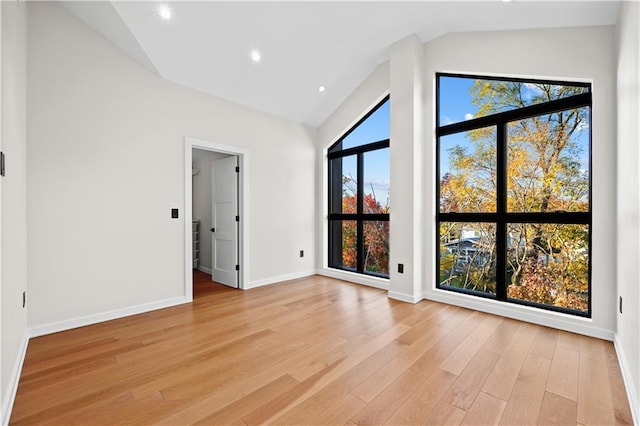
(359,196)
(514,180)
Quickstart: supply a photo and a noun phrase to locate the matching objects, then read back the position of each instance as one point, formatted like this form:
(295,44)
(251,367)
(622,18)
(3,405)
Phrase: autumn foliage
(546,263)
(376,233)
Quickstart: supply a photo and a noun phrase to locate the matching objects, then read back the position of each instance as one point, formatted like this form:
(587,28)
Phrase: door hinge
(1,163)
(237,267)
(237,169)
(237,218)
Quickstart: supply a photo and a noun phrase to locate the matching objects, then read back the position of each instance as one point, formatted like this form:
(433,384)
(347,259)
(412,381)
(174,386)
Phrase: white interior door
(224,231)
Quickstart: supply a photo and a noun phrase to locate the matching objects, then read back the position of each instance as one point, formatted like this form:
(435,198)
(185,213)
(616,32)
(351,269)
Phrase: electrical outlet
(301,253)
(400,268)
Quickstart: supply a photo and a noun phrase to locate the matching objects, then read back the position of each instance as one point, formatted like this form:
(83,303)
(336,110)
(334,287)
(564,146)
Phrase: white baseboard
(204,269)
(7,404)
(274,280)
(404,297)
(628,380)
(352,277)
(551,319)
(42,330)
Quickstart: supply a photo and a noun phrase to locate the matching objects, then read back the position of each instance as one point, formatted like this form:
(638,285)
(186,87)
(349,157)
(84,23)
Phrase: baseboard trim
(627,378)
(381,283)
(7,404)
(42,330)
(522,313)
(404,297)
(204,269)
(274,280)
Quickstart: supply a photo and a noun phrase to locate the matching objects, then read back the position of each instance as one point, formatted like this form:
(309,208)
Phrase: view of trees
(547,171)
(376,233)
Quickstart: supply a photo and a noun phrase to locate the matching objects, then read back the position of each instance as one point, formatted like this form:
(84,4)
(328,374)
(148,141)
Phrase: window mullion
(360,211)
(501,210)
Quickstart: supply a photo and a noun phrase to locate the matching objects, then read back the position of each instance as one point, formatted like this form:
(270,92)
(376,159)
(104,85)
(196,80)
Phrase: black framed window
(359,202)
(514,182)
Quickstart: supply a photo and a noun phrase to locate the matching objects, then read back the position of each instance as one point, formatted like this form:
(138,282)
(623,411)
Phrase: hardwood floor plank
(389,400)
(523,407)
(467,386)
(563,379)
(317,351)
(419,405)
(621,410)
(557,410)
(486,410)
(506,370)
(445,414)
(594,389)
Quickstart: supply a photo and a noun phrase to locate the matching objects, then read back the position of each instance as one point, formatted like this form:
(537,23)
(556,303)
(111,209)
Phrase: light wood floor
(318,351)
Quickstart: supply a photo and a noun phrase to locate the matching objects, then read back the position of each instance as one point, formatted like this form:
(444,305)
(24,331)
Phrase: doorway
(204,153)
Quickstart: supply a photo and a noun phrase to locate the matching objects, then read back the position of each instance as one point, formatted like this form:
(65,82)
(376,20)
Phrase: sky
(454,106)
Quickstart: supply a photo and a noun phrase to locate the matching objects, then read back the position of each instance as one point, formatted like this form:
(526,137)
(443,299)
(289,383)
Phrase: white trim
(243,207)
(627,378)
(204,269)
(353,277)
(55,327)
(278,279)
(409,298)
(10,397)
(551,319)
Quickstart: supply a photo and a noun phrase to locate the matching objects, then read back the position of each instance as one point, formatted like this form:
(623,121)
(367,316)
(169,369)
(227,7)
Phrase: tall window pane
(548,162)
(468,255)
(376,181)
(468,171)
(359,202)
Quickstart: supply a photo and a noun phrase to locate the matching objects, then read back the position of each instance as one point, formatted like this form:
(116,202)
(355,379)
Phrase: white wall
(581,54)
(628,219)
(100,234)
(14,197)
(202,203)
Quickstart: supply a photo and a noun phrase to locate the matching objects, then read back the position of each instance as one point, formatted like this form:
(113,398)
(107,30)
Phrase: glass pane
(343,244)
(376,247)
(375,128)
(548,163)
(376,181)
(468,171)
(468,256)
(549,264)
(344,185)
(464,98)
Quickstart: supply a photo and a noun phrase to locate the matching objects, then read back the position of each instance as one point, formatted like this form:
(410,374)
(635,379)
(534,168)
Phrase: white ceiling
(304,44)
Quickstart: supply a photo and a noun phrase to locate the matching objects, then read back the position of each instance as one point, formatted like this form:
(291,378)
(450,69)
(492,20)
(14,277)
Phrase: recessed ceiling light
(165,12)
(321,89)
(255,55)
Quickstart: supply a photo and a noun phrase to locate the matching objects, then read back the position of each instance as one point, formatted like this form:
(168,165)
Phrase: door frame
(243,208)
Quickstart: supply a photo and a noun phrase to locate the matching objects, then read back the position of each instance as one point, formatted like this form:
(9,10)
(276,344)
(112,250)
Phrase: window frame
(502,217)
(335,151)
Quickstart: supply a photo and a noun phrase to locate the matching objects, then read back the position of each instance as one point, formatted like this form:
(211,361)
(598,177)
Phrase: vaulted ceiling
(206,45)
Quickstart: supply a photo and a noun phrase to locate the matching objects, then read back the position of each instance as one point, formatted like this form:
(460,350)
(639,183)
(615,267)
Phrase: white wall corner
(628,380)
(56,327)
(352,277)
(10,396)
(409,298)
(279,279)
